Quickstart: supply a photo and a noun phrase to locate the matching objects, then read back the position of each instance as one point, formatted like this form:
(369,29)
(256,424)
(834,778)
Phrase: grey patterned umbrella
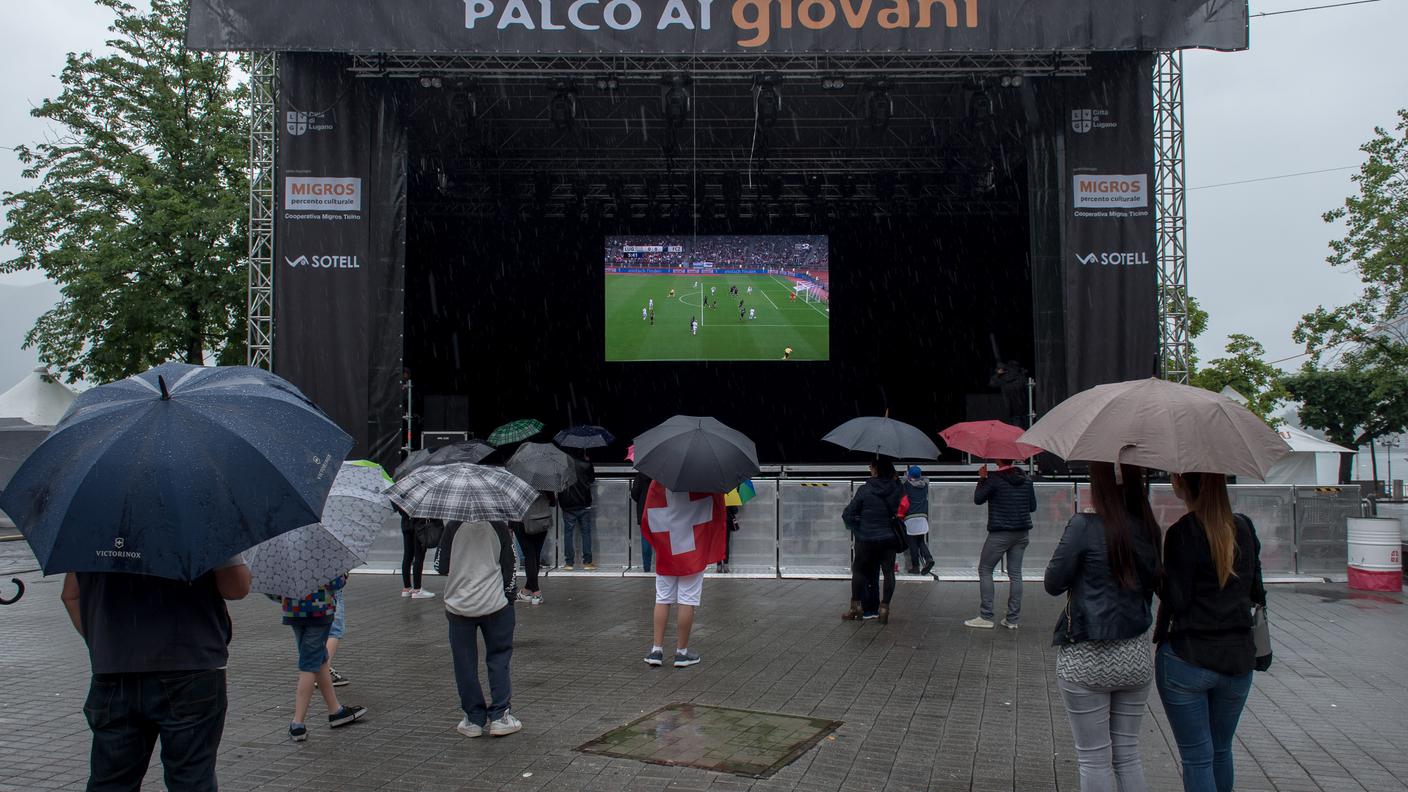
(298,562)
(462,492)
(543,466)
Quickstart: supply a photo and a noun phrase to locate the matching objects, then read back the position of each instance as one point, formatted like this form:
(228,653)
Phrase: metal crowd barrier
(793,528)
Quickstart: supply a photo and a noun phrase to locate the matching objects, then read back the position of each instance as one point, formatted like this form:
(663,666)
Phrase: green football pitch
(780,321)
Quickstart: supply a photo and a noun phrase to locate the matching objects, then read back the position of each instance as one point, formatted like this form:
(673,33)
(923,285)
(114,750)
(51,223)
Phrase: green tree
(139,212)
(1246,370)
(1353,405)
(1375,246)
(1197,325)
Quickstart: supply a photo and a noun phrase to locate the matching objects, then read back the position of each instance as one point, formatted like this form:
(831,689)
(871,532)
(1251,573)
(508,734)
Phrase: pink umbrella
(631,454)
(988,439)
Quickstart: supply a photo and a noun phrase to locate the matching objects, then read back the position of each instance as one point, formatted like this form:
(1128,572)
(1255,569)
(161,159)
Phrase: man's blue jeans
(128,712)
(498,652)
(585,519)
(1203,708)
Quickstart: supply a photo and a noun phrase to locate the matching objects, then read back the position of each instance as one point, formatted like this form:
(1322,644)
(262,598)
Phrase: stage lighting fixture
(431,82)
(562,108)
(675,100)
(833,82)
(607,82)
(464,107)
(879,107)
(1012,81)
(767,102)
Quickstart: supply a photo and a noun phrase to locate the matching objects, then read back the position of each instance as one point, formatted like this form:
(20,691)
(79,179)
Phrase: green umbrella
(515,432)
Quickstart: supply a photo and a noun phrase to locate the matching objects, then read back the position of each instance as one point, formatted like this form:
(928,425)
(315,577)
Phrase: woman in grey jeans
(1106,565)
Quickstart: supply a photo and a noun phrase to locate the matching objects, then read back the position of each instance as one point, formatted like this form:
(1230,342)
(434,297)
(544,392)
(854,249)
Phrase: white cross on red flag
(687,530)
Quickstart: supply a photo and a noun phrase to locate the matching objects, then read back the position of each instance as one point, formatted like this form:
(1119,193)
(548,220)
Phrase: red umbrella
(988,439)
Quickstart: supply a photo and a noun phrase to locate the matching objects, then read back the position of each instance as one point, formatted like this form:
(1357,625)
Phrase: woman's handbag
(1261,637)
(429,532)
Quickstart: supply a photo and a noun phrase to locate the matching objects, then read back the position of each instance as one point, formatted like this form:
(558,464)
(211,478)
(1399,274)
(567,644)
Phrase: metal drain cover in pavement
(742,742)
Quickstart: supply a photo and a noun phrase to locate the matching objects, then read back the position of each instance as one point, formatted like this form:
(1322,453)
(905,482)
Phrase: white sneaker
(978,622)
(537,599)
(504,726)
(524,596)
(422,594)
(405,592)
(1009,625)
(469,729)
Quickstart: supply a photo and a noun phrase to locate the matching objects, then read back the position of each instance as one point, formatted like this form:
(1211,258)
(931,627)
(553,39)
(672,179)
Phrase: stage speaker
(441,439)
(443,413)
(986,407)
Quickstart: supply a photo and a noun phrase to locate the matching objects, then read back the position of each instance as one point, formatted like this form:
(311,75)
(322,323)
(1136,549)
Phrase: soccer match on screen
(682,298)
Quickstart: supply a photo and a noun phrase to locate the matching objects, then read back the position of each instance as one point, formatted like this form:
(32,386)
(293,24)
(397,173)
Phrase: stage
(434,197)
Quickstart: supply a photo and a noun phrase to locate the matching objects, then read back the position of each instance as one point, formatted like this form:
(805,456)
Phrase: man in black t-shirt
(158,650)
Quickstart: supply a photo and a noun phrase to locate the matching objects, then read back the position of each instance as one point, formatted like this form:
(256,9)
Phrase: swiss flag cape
(687,530)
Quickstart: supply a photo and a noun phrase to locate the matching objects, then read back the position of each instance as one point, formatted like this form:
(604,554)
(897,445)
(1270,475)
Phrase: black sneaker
(338,680)
(655,658)
(685,659)
(346,715)
(297,732)
(927,568)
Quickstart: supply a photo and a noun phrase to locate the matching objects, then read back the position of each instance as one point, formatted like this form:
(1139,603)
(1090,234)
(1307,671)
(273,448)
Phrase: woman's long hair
(1206,496)
(1123,508)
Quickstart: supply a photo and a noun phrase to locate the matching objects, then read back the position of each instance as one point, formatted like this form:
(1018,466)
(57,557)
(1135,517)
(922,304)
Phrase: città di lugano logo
(756,20)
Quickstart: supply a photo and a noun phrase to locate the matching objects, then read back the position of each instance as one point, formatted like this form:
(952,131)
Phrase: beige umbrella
(1160,425)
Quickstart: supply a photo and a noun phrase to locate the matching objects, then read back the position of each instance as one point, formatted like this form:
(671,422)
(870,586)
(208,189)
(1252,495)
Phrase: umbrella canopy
(631,453)
(989,440)
(1160,425)
(471,451)
(173,471)
(741,494)
(515,432)
(412,461)
(692,454)
(298,562)
(584,436)
(462,492)
(543,466)
(883,437)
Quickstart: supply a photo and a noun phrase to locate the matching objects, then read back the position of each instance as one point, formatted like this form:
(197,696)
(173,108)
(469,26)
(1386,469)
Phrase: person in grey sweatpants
(1011,499)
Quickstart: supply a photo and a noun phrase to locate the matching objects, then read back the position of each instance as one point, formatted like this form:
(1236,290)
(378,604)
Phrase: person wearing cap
(916,521)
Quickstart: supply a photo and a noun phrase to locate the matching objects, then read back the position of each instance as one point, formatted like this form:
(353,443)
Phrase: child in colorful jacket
(311,618)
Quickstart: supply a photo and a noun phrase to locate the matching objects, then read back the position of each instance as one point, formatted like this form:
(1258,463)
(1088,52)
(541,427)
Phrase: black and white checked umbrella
(462,492)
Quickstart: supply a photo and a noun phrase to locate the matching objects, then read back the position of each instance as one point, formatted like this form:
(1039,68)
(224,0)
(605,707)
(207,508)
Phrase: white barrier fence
(793,528)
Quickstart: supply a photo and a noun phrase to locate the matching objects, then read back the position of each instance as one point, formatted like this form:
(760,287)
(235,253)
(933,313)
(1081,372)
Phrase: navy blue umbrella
(584,436)
(172,471)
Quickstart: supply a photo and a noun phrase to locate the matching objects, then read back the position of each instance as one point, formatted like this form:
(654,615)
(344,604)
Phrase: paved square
(925,703)
(742,742)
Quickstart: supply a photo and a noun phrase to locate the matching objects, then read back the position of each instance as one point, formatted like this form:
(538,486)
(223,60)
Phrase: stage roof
(685,27)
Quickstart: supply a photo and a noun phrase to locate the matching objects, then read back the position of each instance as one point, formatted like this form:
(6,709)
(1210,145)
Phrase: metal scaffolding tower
(1175,341)
(263,129)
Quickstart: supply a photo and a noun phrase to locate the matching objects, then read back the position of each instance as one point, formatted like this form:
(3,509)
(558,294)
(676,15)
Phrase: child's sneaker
(469,729)
(346,715)
(504,726)
(297,732)
(338,680)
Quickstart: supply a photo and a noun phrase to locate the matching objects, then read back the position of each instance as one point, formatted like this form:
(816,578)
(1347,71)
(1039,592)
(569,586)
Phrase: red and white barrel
(1375,554)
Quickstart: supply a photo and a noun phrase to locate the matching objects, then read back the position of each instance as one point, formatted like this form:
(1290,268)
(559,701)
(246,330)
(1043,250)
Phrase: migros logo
(323,194)
(1111,185)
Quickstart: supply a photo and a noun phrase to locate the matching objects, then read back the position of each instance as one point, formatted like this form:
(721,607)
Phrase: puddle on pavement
(741,742)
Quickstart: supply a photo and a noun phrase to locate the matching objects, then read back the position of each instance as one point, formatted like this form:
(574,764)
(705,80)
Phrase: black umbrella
(412,461)
(883,437)
(471,451)
(584,436)
(691,454)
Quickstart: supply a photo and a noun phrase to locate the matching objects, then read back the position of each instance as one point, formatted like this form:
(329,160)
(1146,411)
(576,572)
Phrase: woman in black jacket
(869,516)
(1206,655)
(1107,566)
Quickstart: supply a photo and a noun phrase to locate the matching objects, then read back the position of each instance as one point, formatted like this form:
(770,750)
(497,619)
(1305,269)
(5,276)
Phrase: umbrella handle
(18,593)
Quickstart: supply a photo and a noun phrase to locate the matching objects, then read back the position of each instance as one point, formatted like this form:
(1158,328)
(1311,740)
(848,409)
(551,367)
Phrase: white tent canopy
(1312,461)
(39,399)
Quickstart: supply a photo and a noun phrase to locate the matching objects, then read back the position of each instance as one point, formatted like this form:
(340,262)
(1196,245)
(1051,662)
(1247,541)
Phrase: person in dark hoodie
(1011,499)
(869,517)
(916,521)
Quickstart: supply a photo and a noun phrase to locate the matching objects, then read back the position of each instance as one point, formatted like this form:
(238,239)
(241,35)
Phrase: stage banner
(715,26)
(339,247)
(1111,281)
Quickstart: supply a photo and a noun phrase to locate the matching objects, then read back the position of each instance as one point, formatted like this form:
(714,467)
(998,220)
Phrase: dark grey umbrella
(691,454)
(471,451)
(412,461)
(543,466)
(883,437)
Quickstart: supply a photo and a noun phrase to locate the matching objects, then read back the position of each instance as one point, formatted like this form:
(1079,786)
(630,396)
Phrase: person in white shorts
(683,592)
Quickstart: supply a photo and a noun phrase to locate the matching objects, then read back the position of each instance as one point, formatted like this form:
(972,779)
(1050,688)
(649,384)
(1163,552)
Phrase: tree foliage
(1374,246)
(1353,405)
(139,212)
(1246,371)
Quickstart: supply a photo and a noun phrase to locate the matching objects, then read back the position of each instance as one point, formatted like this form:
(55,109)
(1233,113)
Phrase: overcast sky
(1303,98)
